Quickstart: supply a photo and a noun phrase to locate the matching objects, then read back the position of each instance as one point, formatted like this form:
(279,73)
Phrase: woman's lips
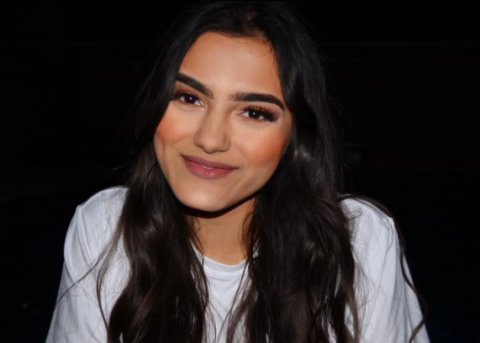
(207,169)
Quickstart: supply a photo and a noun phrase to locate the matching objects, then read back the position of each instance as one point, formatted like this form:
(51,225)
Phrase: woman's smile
(206,169)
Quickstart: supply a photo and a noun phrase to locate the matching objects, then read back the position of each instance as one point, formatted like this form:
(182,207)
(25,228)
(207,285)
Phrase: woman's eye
(186,98)
(259,114)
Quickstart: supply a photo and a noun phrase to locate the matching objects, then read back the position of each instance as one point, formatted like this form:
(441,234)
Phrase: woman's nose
(212,133)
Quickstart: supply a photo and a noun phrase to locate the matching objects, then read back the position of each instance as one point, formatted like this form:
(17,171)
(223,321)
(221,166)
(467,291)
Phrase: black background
(405,82)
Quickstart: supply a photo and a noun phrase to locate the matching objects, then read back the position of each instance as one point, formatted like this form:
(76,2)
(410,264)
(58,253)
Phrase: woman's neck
(222,236)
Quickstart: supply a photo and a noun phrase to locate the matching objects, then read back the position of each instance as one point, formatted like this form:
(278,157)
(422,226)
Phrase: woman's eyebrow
(258,97)
(190,81)
(239,96)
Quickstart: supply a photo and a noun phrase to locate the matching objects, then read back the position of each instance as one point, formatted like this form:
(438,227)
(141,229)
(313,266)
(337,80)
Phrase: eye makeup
(252,112)
(188,97)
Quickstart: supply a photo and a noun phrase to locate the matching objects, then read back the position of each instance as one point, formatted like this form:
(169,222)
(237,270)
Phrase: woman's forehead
(225,62)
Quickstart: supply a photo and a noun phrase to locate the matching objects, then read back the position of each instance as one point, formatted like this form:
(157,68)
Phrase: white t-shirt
(388,308)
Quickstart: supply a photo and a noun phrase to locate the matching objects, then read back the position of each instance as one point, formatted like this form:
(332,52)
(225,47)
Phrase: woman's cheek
(167,127)
(264,148)
(173,126)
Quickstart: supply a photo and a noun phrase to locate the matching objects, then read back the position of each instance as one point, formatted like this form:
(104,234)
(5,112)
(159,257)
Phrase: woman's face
(226,126)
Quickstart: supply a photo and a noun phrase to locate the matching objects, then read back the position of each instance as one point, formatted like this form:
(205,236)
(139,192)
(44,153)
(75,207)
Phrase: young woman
(232,228)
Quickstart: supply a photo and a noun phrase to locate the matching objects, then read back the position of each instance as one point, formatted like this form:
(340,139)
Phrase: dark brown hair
(300,258)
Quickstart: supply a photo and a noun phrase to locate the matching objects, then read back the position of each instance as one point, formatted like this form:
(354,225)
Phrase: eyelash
(178,95)
(261,112)
(267,115)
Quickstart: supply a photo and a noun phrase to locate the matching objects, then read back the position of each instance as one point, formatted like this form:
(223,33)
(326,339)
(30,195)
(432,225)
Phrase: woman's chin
(209,208)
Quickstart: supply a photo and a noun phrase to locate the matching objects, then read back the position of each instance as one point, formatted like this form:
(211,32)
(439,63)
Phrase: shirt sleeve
(77,315)
(388,308)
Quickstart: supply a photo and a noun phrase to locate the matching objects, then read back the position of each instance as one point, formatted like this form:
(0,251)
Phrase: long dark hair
(301,267)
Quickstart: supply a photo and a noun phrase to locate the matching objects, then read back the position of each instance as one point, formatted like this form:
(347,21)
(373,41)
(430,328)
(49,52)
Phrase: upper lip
(207,163)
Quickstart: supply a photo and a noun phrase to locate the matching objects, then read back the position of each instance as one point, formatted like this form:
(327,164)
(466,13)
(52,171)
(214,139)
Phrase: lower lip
(206,172)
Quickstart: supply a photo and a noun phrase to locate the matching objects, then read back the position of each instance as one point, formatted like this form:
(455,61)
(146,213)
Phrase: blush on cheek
(174,125)
(166,128)
(266,147)
(164,134)
(267,153)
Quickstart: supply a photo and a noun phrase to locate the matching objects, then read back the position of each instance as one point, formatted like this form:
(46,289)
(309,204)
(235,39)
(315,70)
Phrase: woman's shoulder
(389,309)
(361,208)
(368,219)
(373,230)
(101,211)
(78,315)
(97,217)
(92,227)
(106,202)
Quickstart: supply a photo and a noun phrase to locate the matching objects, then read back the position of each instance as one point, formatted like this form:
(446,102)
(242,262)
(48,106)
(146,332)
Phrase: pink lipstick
(207,169)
